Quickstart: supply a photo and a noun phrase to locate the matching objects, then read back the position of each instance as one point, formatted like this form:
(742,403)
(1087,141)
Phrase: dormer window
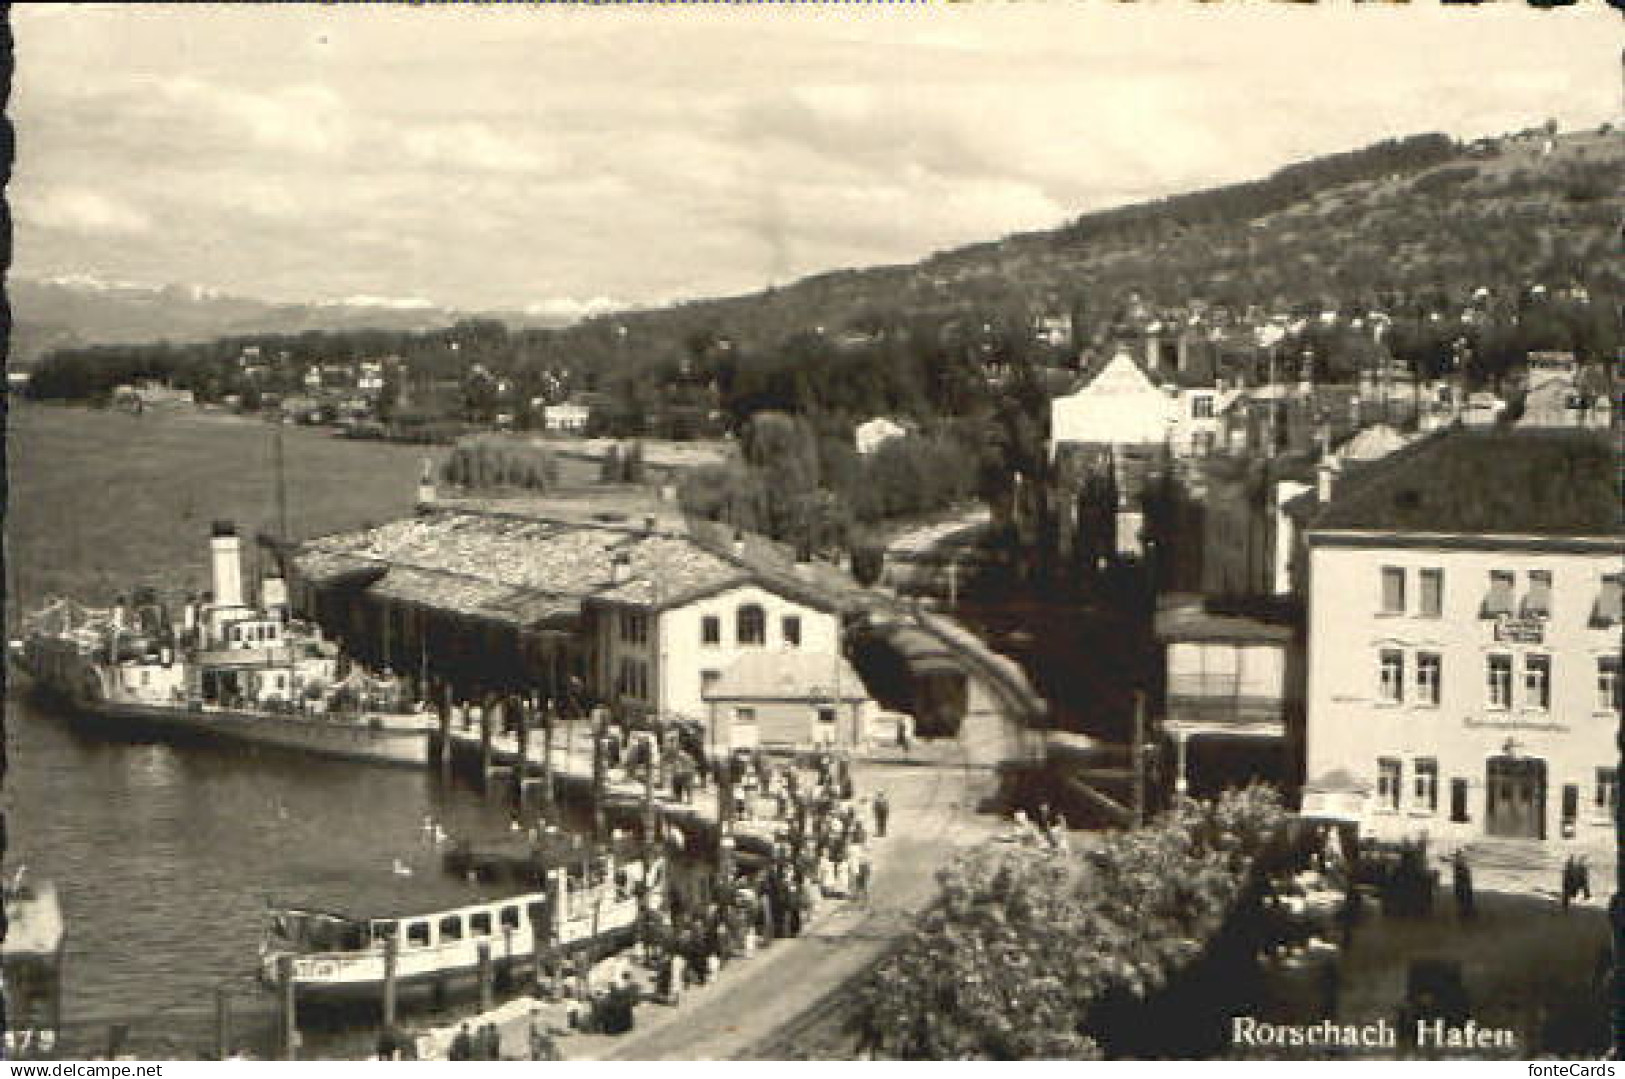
(1498,601)
(1537,602)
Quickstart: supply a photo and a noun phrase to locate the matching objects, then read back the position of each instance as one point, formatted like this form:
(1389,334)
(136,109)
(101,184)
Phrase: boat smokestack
(226,565)
(426,488)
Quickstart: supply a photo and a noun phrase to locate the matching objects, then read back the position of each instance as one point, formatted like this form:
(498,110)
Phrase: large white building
(569,600)
(660,647)
(1464,643)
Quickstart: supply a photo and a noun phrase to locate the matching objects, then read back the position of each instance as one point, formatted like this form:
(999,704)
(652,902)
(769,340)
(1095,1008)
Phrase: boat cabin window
(417,934)
(479,923)
(510,917)
(382,931)
(451,927)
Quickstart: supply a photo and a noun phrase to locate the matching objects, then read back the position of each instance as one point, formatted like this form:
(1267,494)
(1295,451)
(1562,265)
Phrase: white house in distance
(1464,645)
(1120,415)
(569,417)
(1118,406)
(870,435)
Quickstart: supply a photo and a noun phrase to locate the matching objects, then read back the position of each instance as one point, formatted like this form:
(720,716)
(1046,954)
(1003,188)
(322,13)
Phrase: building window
(751,625)
(1389,772)
(1429,675)
(1498,600)
(1610,599)
(711,630)
(634,627)
(1606,800)
(792,630)
(1393,590)
(1499,671)
(1427,783)
(1391,679)
(1571,807)
(1537,602)
(1537,681)
(633,680)
(1432,593)
(1202,407)
(708,679)
(826,716)
(744,715)
(1458,801)
(1608,684)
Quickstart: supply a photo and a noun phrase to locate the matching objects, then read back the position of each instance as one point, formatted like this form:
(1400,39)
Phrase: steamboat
(231,672)
(592,901)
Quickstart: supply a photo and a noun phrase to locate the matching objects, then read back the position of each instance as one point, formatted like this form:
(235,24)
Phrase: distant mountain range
(78,310)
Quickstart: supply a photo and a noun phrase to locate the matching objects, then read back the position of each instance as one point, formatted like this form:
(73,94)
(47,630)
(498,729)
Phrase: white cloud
(474,146)
(79,210)
(485,158)
(567,307)
(307,118)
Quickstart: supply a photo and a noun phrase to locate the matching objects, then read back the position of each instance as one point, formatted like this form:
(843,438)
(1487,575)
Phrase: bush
(486,462)
(1023,947)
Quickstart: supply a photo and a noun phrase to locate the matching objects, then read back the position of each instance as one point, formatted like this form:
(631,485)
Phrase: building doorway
(1516,793)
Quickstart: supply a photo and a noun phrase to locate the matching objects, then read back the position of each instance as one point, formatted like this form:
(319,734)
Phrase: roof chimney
(1325,481)
(620,568)
(426,488)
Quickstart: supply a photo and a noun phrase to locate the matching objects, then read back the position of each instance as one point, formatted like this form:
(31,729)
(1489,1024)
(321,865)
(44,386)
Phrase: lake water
(165,857)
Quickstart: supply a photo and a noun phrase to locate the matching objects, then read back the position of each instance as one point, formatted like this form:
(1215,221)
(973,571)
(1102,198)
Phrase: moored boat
(332,954)
(229,671)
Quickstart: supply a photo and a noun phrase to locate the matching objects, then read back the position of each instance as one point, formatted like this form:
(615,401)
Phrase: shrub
(486,462)
(1023,947)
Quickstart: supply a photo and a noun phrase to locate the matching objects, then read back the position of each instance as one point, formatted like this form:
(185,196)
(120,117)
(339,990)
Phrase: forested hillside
(1480,251)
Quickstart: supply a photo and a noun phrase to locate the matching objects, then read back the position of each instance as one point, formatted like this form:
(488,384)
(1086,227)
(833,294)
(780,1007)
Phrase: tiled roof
(1487,482)
(788,674)
(528,570)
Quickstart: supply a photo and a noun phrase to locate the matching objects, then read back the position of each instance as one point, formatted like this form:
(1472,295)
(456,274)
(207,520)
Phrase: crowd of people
(820,841)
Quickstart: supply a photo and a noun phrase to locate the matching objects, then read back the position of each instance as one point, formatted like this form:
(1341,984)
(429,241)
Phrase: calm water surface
(165,856)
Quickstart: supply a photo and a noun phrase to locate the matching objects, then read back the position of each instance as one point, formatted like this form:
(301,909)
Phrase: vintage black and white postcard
(833,531)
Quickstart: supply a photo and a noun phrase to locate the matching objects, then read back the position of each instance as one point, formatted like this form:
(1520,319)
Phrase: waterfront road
(934,815)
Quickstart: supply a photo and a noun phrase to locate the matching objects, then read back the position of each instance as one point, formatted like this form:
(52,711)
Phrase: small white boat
(337,955)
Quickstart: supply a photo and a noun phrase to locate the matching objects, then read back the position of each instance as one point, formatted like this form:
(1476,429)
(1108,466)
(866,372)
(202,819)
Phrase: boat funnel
(226,565)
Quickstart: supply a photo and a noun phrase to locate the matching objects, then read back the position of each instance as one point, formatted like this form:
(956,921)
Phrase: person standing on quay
(882,814)
(462,1046)
(1462,880)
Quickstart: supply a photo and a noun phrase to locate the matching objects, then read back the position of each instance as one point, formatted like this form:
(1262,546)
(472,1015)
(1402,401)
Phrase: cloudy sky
(564,158)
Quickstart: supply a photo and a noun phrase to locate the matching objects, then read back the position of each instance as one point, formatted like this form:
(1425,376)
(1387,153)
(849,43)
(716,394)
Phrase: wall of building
(787,723)
(677,658)
(1351,726)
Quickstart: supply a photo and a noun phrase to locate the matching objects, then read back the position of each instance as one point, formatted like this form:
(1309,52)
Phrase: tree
(1024,951)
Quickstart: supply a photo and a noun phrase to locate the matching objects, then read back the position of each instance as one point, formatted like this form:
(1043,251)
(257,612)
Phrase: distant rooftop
(1487,482)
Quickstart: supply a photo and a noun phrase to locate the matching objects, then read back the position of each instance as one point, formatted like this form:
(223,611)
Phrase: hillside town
(1191,632)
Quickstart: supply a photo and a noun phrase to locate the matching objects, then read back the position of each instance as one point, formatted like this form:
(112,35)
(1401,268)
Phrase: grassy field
(99,502)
